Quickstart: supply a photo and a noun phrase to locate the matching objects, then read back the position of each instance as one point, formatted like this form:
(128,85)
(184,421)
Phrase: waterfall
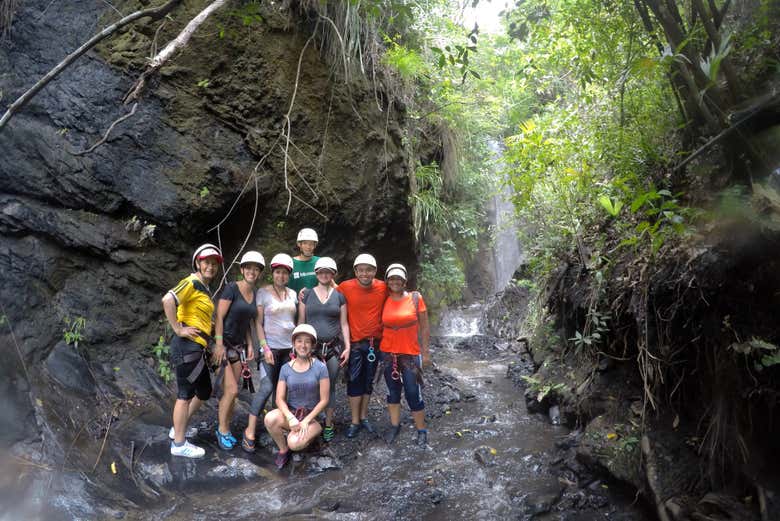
(507,253)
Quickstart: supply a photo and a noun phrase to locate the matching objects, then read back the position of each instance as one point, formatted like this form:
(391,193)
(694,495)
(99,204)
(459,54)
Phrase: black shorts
(201,387)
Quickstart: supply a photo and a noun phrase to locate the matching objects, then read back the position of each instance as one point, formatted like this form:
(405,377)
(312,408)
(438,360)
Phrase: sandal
(248,445)
(281,459)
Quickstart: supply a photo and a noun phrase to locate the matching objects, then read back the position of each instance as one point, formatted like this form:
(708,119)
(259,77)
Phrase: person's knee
(273,420)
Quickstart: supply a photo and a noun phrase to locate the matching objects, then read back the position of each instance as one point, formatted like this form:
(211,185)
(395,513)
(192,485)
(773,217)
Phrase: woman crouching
(301,395)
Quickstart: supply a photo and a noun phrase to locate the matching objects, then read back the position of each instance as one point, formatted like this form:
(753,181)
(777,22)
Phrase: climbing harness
(201,357)
(246,373)
(327,350)
(395,375)
(399,363)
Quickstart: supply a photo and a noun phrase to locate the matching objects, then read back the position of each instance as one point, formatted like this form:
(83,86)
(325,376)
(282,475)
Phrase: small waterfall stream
(507,253)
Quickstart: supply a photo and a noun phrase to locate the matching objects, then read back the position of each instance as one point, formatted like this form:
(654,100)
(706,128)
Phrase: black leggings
(269,381)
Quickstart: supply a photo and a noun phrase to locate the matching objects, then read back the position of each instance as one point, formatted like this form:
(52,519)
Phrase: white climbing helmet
(325,263)
(307,234)
(395,270)
(304,328)
(253,256)
(283,260)
(204,251)
(365,258)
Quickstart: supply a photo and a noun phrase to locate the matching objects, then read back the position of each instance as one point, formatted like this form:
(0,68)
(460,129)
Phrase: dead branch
(103,445)
(108,132)
(177,43)
(154,13)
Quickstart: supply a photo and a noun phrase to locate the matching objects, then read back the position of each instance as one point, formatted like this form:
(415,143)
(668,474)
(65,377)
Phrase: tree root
(108,132)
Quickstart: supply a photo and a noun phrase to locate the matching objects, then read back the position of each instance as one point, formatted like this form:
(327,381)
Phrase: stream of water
(487,458)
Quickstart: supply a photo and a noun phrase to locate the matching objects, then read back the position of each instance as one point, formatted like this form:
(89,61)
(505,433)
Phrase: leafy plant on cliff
(73,332)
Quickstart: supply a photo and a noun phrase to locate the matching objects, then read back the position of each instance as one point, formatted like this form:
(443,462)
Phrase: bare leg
(180,418)
(364,400)
(419,419)
(229,393)
(237,376)
(395,413)
(276,424)
(301,442)
(355,407)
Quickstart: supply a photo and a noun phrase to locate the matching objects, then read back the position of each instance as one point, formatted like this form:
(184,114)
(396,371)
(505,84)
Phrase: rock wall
(103,235)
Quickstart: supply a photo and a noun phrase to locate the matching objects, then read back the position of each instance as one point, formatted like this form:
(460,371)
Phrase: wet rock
(156,473)
(436,496)
(69,368)
(487,456)
(481,343)
(323,463)
(540,503)
(237,468)
(329,505)
(555,415)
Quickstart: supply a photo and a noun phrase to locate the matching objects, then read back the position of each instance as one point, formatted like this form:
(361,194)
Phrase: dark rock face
(103,235)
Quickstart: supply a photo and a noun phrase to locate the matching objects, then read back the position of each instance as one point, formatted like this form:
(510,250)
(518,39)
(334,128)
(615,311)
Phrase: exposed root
(108,132)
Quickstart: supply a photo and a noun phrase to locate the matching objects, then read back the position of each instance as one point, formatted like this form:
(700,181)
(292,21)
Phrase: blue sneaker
(224,440)
(353,429)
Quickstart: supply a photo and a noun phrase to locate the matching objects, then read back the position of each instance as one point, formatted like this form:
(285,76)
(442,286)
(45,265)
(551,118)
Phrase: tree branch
(153,13)
(180,41)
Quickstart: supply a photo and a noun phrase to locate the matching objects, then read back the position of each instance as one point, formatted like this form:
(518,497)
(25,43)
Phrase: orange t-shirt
(401,314)
(364,308)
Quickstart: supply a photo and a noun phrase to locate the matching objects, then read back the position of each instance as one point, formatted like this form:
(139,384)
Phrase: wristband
(263,343)
(217,337)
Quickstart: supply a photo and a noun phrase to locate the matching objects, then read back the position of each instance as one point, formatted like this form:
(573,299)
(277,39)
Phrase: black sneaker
(367,425)
(422,438)
(353,429)
(392,433)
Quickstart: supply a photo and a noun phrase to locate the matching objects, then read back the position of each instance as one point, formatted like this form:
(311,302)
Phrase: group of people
(307,329)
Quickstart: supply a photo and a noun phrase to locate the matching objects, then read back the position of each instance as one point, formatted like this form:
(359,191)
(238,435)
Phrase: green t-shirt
(303,275)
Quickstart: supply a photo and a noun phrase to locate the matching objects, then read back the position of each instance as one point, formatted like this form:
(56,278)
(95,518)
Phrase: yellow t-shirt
(193,305)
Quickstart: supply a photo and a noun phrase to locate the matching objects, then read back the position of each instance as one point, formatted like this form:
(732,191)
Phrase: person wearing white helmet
(326,311)
(236,310)
(277,306)
(188,308)
(365,296)
(405,340)
(303,274)
(301,395)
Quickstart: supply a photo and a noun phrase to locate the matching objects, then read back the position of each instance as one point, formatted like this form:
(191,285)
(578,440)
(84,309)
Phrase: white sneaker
(188,450)
(191,433)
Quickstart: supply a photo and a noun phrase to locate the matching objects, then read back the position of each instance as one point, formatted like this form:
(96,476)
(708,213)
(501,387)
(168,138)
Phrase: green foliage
(612,207)
(73,332)
(204,192)
(441,277)
(595,331)
(764,354)
(406,62)
(540,388)
(161,351)
(203,84)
